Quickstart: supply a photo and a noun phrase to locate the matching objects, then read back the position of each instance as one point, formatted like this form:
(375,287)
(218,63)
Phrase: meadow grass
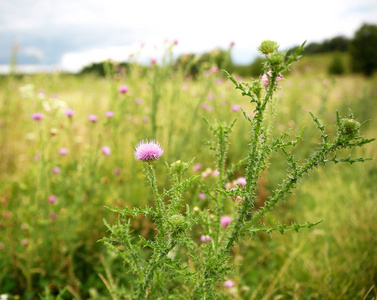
(47,248)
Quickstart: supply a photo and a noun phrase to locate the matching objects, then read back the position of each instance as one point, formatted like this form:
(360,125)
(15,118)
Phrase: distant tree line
(361,48)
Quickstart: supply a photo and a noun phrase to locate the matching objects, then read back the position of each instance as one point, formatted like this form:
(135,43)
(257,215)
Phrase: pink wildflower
(37,116)
(145,119)
(138,101)
(69,112)
(116,171)
(236,107)
(92,118)
(264,80)
(201,196)
(225,220)
(232,43)
(123,89)
(197,167)
(153,61)
(215,173)
(241,181)
(148,150)
(205,238)
(52,198)
(63,151)
(214,69)
(109,114)
(55,170)
(106,150)
(228,284)
(53,216)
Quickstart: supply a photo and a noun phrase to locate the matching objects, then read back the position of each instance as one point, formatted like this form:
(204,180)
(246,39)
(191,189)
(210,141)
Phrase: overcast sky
(70,34)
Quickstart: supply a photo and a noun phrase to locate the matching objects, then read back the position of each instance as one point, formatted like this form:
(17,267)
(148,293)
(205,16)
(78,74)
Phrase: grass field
(49,245)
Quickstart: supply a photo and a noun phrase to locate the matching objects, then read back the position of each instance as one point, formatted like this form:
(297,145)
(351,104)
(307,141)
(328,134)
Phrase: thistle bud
(349,127)
(178,222)
(276,58)
(179,166)
(268,47)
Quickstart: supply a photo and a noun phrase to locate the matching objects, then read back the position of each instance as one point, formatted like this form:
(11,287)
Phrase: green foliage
(337,66)
(363,50)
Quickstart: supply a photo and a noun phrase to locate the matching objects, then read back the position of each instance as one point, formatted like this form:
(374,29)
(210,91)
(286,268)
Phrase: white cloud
(198,25)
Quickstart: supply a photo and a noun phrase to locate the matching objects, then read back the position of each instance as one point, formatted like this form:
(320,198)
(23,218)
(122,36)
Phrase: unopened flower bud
(349,126)
(268,47)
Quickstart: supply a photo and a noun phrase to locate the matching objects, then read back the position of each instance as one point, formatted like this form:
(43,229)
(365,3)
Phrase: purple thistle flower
(92,118)
(123,89)
(106,150)
(55,170)
(63,151)
(205,238)
(228,284)
(69,112)
(52,199)
(148,150)
(236,107)
(241,181)
(225,220)
(37,116)
(109,114)
(197,167)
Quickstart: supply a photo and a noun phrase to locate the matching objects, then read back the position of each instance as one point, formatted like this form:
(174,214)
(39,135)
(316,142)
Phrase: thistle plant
(190,253)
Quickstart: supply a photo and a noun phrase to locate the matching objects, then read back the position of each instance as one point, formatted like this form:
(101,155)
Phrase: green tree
(336,66)
(363,49)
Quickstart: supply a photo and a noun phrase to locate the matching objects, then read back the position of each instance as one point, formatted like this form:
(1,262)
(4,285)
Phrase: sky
(70,34)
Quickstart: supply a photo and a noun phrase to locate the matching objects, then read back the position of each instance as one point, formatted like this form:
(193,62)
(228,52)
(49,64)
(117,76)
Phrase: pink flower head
(175,42)
(138,101)
(148,150)
(232,43)
(228,284)
(241,181)
(225,220)
(153,61)
(214,69)
(37,116)
(205,238)
(52,198)
(55,170)
(236,107)
(279,77)
(106,150)
(215,173)
(92,118)
(123,89)
(69,112)
(264,80)
(53,216)
(201,196)
(116,171)
(145,119)
(63,151)
(197,167)
(109,114)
